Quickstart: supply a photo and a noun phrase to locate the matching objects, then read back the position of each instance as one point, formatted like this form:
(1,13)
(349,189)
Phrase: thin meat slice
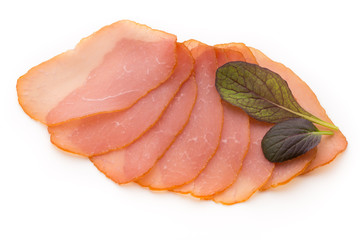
(104,132)
(330,146)
(237,52)
(255,170)
(223,169)
(286,171)
(130,163)
(107,71)
(228,55)
(193,148)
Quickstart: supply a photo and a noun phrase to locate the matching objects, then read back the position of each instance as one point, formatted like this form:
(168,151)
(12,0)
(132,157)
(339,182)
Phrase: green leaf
(290,139)
(263,94)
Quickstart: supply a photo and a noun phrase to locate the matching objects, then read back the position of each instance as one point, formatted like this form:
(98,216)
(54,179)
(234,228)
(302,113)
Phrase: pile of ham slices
(144,108)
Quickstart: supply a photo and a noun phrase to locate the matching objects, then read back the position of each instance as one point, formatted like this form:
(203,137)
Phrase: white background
(48,194)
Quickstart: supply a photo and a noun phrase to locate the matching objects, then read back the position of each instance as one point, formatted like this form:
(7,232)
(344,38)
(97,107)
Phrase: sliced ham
(330,146)
(255,170)
(223,169)
(130,163)
(135,102)
(286,171)
(104,132)
(107,71)
(193,148)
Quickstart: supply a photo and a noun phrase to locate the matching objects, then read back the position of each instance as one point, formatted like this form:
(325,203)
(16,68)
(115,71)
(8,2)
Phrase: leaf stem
(312,119)
(320,122)
(323,133)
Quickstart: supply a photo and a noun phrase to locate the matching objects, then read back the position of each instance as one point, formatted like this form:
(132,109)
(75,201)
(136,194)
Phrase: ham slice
(330,146)
(223,169)
(104,132)
(195,146)
(130,163)
(286,171)
(255,171)
(107,71)
(237,52)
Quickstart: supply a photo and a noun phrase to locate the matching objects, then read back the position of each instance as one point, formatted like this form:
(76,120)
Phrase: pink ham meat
(284,172)
(223,168)
(237,52)
(107,71)
(193,148)
(255,171)
(104,132)
(330,146)
(130,163)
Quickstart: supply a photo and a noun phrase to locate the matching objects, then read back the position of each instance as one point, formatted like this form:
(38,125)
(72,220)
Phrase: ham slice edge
(43,87)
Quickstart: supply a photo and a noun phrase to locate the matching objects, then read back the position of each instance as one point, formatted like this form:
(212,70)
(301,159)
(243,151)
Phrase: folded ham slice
(223,169)
(130,163)
(104,132)
(193,148)
(330,146)
(107,71)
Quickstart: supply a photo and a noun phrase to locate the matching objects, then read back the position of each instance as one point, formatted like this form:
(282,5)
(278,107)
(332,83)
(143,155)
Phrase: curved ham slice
(107,71)
(223,169)
(330,146)
(255,171)
(286,171)
(193,148)
(130,163)
(104,132)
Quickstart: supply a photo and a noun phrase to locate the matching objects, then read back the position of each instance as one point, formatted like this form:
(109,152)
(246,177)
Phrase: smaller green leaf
(290,139)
